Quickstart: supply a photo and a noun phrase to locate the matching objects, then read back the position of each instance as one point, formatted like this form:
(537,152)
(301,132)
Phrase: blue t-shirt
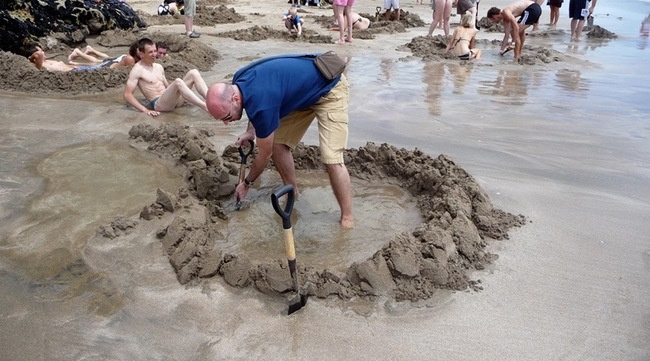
(273,88)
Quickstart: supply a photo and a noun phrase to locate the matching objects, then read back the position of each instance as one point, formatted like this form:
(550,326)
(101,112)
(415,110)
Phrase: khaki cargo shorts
(332,113)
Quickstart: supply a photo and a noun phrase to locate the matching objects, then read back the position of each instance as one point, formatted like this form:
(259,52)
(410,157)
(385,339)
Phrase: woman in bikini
(463,40)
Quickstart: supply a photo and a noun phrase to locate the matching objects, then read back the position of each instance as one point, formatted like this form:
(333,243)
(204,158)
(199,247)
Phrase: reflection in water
(571,80)
(387,67)
(433,78)
(644,32)
(460,72)
(511,84)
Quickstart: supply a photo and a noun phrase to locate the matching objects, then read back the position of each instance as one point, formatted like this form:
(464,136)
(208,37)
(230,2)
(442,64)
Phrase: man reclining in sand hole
(39,59)
(161,95)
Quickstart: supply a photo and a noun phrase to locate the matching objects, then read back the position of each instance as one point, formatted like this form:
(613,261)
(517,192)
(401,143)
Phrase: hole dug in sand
(436,251)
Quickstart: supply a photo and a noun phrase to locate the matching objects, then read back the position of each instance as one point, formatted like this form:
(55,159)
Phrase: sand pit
(441,253)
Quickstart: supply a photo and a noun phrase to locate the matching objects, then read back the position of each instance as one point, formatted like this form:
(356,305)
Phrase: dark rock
(23,22)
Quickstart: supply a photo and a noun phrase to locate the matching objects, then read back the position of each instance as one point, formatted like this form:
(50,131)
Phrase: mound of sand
(459,220)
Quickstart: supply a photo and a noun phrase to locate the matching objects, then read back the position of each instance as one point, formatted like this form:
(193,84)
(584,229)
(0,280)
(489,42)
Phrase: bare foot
(340,42)
(347,223)
(348,40)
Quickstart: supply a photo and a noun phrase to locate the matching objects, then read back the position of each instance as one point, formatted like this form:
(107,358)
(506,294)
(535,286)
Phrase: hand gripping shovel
(242,168)
(299,300)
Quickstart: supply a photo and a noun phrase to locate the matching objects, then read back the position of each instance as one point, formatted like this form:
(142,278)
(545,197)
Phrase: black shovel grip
(285,213)
(244,155)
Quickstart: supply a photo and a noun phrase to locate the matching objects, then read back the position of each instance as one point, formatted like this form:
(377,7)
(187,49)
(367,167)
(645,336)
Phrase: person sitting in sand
(162,49)
(358,22)
(99,59)
(529,13)
(163,96)
(463,40)
(292,21)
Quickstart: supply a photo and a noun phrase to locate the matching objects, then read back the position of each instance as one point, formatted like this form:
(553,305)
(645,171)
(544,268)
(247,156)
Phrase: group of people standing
(516,18)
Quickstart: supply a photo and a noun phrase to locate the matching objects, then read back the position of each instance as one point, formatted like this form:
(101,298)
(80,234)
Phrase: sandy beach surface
(559,141)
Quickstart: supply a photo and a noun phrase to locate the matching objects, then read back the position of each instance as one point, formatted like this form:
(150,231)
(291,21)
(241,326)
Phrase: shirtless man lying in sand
(40,60)
(529,12)
(96,57)
(163,96)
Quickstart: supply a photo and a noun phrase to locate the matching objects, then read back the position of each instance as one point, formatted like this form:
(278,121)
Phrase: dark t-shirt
(273,88)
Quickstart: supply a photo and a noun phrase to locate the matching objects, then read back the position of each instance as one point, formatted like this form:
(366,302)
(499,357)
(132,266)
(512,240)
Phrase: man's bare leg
(92,51)
(76,53)
(178,89)
(194,79)
(283,160)
(342,188)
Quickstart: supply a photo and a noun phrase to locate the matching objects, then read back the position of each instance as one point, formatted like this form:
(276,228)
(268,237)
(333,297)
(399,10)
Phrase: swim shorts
(531,14)
(190,8)
(391,4)
(152,104)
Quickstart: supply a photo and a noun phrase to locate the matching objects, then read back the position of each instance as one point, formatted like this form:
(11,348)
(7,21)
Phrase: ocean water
(582,129)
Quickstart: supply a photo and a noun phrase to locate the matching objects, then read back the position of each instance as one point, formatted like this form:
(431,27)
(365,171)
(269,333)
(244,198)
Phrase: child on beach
(292,21)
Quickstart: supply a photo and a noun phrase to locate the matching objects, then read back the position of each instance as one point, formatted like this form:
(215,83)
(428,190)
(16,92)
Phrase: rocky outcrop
(23,22)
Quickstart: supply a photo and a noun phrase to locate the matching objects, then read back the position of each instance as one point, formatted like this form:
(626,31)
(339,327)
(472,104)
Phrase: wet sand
(566,285)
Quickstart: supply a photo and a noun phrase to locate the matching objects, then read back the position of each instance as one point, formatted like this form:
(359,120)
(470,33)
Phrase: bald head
(224,102)
(218,99)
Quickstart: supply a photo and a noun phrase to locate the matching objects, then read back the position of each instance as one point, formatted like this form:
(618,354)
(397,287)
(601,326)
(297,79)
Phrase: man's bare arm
(509,19)
(129,89)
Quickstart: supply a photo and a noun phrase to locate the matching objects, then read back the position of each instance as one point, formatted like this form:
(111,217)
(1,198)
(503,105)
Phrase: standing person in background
(391,4)
(466,6)
(343,14)
(579,11)
(188,17)
(555,6)
(441,15)
(536,25)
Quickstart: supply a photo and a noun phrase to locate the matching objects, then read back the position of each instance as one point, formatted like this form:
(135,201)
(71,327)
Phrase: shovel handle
(244,155)
(285,213)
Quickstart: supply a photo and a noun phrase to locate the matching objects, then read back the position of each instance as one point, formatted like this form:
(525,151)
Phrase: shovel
(242,168)
(297,301)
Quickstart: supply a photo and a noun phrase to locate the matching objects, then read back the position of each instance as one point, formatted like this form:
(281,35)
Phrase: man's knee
(193,73)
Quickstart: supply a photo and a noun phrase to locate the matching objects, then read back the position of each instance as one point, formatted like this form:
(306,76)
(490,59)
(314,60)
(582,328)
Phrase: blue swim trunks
(152,104)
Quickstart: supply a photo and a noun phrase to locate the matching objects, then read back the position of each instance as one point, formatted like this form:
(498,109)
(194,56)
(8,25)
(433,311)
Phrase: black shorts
(531,14)
(556,3)
(576,8)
